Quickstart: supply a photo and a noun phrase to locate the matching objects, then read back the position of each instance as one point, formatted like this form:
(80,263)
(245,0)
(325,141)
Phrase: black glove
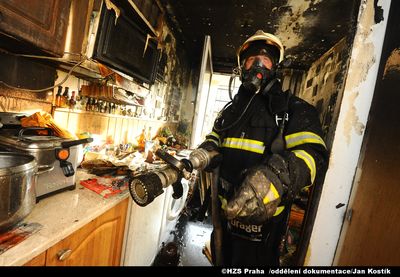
(216,160)
(257,198)
(290,170)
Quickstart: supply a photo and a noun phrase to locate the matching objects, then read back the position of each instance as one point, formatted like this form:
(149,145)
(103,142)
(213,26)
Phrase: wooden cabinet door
(42,23)
(99,243)
(39,260)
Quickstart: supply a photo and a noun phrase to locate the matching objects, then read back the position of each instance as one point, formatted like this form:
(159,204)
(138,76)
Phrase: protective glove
(216,160)
(290,171)
(257,198)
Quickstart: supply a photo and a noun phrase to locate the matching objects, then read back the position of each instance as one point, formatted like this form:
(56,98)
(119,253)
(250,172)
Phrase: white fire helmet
(268,39)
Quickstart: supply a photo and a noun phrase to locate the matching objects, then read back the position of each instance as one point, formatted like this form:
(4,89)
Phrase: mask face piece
(262,60)
(256,72)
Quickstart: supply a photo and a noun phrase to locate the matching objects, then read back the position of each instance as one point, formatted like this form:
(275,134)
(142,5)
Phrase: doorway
(372,221)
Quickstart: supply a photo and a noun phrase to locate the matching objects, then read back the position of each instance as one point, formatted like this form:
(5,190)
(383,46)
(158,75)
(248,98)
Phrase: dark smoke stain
(378,17)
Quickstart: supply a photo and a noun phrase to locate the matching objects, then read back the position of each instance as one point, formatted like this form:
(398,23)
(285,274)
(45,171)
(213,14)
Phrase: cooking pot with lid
(57,172)
(18,176)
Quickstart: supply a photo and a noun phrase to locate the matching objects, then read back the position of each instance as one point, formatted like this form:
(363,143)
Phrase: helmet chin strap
(235,73)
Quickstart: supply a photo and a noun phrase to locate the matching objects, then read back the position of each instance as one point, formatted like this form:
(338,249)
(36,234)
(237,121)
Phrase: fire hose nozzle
(146,187)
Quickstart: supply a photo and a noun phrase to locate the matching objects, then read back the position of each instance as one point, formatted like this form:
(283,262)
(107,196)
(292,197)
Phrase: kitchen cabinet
(98,243)
(39,260)
(37,22)
(125,44)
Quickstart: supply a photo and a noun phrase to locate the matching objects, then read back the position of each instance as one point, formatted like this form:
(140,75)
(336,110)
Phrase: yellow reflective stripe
(302,138)
(214,141)
(214,134)
(310,162)
(224,202)
(244,144)
(279,210)
(273,191)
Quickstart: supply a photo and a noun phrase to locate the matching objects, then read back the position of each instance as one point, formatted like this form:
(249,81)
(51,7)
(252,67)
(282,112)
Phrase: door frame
(349,135)
(203,90)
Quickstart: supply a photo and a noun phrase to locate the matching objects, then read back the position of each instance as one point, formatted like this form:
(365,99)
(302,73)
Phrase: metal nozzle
(200,158)
(144,188)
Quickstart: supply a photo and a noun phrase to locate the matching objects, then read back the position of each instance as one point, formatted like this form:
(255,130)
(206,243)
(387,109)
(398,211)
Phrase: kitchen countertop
(60,215)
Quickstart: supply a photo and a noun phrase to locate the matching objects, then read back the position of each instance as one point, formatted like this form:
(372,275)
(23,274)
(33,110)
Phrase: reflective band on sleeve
(310,162)
(302,138)
(224,202)
(273,189)
(279,210)
(213,137)
(213,141)
(244,144)
(272,194)
(214,134)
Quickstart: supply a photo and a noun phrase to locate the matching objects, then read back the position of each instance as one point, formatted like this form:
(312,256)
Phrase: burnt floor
(186,243)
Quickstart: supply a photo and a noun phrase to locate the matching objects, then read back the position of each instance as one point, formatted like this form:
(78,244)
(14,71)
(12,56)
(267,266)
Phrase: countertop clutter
(59,216)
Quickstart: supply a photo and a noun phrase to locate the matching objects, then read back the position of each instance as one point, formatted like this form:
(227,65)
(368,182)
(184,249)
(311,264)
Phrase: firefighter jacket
(248,142)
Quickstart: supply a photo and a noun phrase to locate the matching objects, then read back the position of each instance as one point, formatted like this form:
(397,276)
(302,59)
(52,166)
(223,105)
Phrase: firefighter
(272,148)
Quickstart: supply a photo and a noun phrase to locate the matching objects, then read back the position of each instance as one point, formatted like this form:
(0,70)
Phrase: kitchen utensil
(17,187)
(57,174)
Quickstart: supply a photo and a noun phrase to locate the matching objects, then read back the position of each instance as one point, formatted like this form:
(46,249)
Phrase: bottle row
(91,104)
(64,99)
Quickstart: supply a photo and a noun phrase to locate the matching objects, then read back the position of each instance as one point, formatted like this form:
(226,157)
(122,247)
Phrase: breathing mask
(257,71)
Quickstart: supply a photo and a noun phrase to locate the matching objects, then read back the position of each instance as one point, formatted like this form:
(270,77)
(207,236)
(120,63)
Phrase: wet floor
(196,235)
(185,246)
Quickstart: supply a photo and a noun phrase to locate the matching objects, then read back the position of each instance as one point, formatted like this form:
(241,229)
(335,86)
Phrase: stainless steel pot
(18,176)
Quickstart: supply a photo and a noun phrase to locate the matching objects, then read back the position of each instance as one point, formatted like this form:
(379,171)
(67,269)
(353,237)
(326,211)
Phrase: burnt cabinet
(126,45)
(41,23)
(98,243)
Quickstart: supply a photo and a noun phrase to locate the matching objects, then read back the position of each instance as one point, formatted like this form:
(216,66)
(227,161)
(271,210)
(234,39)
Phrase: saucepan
(18,176)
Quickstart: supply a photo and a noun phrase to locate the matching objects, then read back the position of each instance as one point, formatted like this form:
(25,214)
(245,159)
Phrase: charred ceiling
(307,28)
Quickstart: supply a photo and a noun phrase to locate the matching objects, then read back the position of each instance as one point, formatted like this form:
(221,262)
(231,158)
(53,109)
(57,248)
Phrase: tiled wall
(122,129)
(324,84)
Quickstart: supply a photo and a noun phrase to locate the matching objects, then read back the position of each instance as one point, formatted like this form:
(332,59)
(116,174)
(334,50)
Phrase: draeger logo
(249,228)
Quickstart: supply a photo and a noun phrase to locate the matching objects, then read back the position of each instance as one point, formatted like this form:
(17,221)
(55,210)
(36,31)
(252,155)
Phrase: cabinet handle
(64,254)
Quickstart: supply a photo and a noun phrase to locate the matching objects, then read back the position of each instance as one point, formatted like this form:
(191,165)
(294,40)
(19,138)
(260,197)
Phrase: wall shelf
(67,110)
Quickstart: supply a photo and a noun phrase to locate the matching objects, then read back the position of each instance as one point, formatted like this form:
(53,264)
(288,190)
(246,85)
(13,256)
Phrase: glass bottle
(65,98)
(58,97)
(88,103)
(72,101)
(142,140)
(148,145)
